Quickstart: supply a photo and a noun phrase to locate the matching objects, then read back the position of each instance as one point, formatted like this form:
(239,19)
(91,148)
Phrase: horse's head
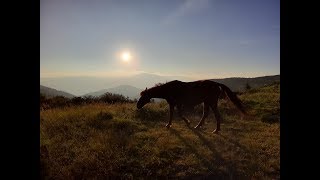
(144,99)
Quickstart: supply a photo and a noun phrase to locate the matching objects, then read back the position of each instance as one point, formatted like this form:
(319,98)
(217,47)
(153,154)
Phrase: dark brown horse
(189,94)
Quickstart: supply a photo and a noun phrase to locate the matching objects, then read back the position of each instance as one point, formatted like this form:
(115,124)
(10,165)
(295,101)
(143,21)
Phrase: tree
(248,87)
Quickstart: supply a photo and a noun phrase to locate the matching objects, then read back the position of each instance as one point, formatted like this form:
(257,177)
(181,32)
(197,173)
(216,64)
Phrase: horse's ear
(146,88)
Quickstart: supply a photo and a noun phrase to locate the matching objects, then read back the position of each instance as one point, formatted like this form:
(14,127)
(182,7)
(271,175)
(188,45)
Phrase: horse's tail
(233,97)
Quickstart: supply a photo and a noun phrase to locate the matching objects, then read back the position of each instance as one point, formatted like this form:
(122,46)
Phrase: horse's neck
(158,93)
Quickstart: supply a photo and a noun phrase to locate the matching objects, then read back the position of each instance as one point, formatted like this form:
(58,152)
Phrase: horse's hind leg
(184,118)
(204,115)
(171,116)
(218,118)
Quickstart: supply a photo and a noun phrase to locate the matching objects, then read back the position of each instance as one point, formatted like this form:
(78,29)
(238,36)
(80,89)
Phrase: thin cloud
(188,7)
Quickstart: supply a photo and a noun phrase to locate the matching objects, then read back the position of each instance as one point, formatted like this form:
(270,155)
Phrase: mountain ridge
(51,92)
(125,90)
(132,86)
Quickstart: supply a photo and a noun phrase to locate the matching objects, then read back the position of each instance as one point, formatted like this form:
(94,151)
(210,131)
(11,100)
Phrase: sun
(126,56)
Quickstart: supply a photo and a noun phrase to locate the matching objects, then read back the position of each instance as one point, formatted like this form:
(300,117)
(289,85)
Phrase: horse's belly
(193,97)
(191,102)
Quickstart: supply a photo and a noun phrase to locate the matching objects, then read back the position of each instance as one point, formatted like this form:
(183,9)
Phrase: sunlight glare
(126,56)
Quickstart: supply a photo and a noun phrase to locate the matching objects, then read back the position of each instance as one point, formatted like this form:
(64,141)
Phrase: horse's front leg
(180,114)
(171,115)
(204,115)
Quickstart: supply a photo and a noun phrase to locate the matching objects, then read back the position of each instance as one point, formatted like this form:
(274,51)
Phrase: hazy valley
(132,86)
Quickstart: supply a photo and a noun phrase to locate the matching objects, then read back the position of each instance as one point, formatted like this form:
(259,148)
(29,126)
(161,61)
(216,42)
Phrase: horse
(188,94)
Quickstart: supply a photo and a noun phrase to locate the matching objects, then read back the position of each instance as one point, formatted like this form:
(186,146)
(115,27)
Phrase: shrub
(61,101)
(77,101)
(111,98)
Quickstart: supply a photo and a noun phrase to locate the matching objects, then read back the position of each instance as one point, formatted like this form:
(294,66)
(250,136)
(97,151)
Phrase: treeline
(61,101)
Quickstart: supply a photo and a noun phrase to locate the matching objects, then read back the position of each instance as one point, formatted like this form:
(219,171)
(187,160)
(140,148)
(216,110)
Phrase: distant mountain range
(84,85)
(125,90)
(50,92)
(132,86)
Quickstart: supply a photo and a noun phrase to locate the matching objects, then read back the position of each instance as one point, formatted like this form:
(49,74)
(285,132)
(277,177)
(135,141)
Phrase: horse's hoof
(216,131)
(168,125)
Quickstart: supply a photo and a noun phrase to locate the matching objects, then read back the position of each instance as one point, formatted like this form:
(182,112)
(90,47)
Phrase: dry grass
(98,141)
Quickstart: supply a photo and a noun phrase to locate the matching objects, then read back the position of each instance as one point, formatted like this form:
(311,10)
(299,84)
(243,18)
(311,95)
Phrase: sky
(194,38)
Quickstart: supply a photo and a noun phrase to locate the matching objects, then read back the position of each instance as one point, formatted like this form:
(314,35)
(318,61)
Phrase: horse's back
(200,85)
(192,86)
(195,92)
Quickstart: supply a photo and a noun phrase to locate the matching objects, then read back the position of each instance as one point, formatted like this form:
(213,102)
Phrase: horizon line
(200,77)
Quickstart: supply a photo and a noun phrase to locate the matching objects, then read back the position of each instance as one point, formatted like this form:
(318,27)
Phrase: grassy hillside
(101,140)
(239,84)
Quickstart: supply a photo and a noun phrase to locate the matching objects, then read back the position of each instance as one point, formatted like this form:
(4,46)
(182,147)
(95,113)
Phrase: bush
(113,98)
(77,101)
(90,99)
(61,101)
(58,101)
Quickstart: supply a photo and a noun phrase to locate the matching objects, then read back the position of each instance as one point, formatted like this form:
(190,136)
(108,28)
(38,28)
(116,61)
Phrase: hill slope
(239,84)
(99,141)
(50,92)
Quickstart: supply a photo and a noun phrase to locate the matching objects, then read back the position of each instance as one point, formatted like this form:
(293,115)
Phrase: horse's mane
(156,85)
